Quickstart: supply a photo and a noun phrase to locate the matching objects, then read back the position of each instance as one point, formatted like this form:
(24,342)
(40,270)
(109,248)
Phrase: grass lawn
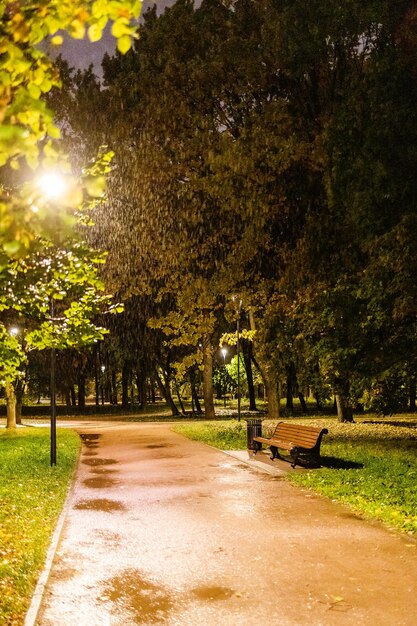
(31,498)
(370,465)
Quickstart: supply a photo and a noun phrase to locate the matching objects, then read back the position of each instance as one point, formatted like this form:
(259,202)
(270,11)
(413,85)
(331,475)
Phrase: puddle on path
(99,482)
(89,437)
(102,470)
(100,504)
(135,595)
(212,593)
(90,441)
(99,461)
(63,574)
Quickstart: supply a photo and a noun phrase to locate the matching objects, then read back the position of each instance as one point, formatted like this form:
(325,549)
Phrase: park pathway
(163,530)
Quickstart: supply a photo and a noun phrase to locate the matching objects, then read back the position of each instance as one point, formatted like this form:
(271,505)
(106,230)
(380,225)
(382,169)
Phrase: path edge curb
(35,604)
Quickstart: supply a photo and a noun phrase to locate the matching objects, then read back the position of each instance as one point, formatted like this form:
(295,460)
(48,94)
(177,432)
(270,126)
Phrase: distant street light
(14,331)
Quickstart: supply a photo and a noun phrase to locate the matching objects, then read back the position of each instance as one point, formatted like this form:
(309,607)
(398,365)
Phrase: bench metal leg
(294,456)
(257,446)
(274,454)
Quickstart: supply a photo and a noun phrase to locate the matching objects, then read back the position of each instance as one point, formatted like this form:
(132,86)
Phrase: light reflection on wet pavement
(163,530)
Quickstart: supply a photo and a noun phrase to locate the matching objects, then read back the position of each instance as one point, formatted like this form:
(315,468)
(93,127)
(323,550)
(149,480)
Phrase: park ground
(181,529)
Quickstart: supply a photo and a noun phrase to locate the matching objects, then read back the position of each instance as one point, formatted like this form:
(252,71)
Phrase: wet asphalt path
(162,530)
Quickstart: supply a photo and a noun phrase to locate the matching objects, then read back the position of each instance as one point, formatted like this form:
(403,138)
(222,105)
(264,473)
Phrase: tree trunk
(177,389)
(143,391)
(208,390)
(194,394)
(272,395)
(344,411)
(96,384)
(290,388)
(302,402)
(166,393)
(19,390)
(412,390)
(81,391)
(318,401)
(141,386)
(247,358)
(268,376)
(125,386)
(11,405)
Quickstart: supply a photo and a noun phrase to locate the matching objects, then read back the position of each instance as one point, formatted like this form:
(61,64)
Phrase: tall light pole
(224,352)
(238,356)
(53,394)
(52,186)
(103,369)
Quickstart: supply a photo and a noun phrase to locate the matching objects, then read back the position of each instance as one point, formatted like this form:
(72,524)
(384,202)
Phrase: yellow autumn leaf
(123,44)
(94,32)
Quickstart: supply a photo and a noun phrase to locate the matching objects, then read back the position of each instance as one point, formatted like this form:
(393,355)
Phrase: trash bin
(253,429)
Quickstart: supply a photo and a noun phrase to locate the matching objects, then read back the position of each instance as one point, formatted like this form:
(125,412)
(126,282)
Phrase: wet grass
(371,465)
(31,498)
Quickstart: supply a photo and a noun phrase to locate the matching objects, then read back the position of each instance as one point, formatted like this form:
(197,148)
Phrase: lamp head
(52,185)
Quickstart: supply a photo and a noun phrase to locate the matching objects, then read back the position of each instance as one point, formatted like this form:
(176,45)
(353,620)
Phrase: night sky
(80,54)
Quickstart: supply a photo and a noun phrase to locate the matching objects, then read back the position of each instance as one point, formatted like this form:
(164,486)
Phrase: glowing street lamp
(52,185)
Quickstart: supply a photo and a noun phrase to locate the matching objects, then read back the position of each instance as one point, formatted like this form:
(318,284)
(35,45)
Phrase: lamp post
(53,394)
(224,352)
(103,369)
(238,356)
(53,186)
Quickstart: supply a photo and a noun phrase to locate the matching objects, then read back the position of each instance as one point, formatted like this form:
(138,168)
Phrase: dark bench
(302,442)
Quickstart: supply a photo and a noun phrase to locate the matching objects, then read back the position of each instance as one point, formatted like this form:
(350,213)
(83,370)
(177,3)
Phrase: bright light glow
(103,368)
(52,185)
(224,352)
(14,331)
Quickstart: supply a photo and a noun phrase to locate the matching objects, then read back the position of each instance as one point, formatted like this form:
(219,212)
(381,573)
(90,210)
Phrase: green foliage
(32,495)
(28,130)
(12,357)
(223,381)
(276,160)
(230,339)
(35,268)
(388,395)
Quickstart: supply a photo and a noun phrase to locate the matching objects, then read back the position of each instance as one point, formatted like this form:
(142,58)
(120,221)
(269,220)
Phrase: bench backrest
(298,434)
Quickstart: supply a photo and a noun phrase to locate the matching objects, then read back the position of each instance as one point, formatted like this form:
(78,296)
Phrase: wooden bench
(302,442)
